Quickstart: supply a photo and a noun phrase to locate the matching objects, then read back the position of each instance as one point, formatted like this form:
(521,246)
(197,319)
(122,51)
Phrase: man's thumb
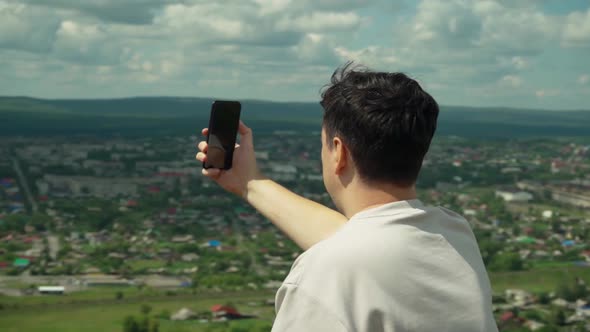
(245,134)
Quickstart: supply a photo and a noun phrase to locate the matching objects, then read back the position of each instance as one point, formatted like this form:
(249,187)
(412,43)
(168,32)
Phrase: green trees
(154,326)
(143,324)
(548,328)
(488,247)
(544,298)
(146,309)
(40,221)
(195,281)
(572,291)
(130,324)
(507,262)
(558,317)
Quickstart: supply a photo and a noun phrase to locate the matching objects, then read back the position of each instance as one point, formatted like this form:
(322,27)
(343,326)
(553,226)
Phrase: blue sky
(525,53)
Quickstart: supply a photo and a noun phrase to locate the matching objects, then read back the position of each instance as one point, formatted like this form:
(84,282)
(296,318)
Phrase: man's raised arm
(304,221)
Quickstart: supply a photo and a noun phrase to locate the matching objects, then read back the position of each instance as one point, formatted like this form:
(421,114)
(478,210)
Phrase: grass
(107,294)
(541,278)
(98,310)
(90,295)
(146,264)
(90,317)
(14,284)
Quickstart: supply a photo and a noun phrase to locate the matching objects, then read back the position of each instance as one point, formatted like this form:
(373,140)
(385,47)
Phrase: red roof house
(220,310)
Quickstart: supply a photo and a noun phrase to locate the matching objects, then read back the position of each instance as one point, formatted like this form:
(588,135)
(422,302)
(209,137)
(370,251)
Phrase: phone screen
(223,129)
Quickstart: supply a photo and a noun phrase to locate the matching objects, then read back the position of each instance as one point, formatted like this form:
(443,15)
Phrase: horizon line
(279,102)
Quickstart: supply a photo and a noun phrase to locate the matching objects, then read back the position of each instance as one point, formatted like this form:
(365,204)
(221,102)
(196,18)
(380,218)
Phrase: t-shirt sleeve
(299,311)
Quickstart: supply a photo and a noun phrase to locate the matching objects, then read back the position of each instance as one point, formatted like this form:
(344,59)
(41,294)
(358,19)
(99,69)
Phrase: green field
(98,310)
(107,315)
(542,278)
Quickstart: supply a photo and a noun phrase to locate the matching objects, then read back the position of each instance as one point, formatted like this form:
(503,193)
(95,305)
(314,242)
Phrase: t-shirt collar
(388,209)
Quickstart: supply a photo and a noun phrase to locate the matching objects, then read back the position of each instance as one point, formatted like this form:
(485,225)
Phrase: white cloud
(117,11)
(440,22)
(547,93)
(524,31)
(462,48)
(26,28)
(459,42)
(316,48)
(320,22)
(516,62)
(511,81)
(87,43)
(299,6)
(169,67)
(104,70)
(214,23)
(376,57)
(576,31)
(519,62)
(202,21)
(272,6)
(480,26)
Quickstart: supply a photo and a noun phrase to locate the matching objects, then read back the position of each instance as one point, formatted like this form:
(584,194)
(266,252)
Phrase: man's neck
(364,197)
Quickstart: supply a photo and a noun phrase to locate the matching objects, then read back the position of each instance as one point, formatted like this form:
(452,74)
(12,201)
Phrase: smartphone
(223,131)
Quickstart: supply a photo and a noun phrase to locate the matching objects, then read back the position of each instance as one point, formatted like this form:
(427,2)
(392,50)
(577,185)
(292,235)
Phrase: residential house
(513,195)
(183,239)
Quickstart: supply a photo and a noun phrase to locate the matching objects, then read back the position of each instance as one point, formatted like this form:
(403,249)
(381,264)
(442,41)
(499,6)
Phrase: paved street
(53,242)
(23,181)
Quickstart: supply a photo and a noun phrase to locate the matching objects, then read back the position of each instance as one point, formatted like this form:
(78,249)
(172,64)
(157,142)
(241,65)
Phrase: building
(262,155)
(183,239)
(519,297)
(514,195)
(194,171)
(225,312)
(283,172)
(55,290)
(21,262)
(531,186)
(183,314)
(105,280)
(583,311)
(571,196)
(78,186)
(190,257)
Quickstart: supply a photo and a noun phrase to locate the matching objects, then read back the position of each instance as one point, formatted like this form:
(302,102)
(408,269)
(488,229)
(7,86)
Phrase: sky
(512,53)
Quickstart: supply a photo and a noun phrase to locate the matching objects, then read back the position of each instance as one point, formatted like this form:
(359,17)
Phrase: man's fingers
(245,134)
(201,157)
(202,146)
(205,131)
(243,129)
(213,173)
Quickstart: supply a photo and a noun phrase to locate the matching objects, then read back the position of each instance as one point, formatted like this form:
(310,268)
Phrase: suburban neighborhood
(136,212)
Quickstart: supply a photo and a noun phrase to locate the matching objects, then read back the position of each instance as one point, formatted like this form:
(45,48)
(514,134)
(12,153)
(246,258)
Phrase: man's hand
(244,168)
(304,221)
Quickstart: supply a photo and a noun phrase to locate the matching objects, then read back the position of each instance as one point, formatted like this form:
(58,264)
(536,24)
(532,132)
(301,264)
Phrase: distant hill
(176,115)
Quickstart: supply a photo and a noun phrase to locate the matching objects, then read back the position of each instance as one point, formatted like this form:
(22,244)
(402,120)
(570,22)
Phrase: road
(11,285)
(53,242)
(24,184)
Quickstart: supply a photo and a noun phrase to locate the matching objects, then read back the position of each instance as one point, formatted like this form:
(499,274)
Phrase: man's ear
(340,155)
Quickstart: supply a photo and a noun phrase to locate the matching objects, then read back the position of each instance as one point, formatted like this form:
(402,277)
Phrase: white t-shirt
(395,268)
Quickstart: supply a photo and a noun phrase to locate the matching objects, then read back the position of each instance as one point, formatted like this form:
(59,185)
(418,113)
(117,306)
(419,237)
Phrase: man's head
(377,126)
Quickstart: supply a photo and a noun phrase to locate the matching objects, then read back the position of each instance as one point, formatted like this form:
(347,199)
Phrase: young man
(385,262)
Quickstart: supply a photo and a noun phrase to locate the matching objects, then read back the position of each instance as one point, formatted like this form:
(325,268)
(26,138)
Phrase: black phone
(223,131)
